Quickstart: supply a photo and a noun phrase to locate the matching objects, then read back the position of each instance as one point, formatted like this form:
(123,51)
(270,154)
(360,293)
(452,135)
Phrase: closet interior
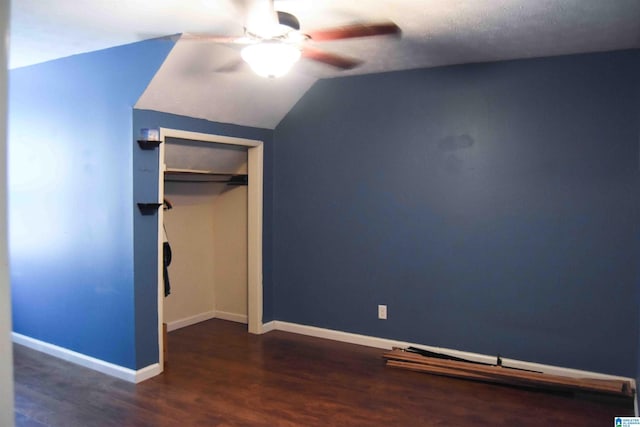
(206,227)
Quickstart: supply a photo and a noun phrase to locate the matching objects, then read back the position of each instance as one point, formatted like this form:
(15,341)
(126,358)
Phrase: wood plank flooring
(219,375)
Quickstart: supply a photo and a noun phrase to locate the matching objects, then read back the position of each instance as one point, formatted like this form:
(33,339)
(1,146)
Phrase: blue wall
(70,196)
(493,207)
(146,188)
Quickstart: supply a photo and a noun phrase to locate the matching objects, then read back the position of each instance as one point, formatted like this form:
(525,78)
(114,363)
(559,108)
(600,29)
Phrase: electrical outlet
(382,312)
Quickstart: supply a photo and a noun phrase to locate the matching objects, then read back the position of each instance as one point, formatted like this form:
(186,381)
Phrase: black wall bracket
(148,145)
(149,208)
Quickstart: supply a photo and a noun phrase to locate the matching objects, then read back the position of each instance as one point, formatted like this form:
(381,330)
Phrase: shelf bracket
(148,145)
(149,208)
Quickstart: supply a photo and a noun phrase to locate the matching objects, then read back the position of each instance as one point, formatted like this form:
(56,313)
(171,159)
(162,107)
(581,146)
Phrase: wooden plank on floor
(615,387)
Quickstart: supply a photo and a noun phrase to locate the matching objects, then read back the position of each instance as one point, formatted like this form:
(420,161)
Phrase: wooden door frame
(255,169)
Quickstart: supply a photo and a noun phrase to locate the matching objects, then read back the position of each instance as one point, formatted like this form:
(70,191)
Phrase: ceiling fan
(274,41)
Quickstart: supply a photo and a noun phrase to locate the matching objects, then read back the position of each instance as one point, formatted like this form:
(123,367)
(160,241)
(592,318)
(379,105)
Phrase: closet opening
(212,220)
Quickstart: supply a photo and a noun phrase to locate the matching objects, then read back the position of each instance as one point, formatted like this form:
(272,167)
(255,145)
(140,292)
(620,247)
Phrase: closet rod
(184,175)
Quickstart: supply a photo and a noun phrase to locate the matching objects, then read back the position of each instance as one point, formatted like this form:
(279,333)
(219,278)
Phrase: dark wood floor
(218,375)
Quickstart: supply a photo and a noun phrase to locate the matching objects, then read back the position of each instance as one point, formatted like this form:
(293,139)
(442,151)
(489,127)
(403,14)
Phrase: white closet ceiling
(434,32)
(185,154)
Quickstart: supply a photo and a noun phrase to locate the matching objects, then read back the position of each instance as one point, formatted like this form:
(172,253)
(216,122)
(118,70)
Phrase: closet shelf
(192,175)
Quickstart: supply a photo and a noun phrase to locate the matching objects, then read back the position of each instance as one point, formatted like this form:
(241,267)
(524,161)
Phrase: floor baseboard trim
(269,326)
(207,315)
(99,365)
(148,372)
(385,343)
(191,320)
(232,317)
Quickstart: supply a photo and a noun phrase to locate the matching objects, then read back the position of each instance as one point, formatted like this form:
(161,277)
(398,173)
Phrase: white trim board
(385,343)
(191,320)
(269,326)
(232,317)
(99,365)
(213,314)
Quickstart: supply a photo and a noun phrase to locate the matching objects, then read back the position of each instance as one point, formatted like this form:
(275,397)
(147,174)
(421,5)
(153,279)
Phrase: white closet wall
(190,228)
(230,248)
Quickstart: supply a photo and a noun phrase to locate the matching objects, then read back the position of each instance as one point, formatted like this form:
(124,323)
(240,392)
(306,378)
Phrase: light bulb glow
(271,58)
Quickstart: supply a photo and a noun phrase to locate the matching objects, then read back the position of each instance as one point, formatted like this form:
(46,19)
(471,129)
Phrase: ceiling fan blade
(329,58)
(355,30)
(213,38)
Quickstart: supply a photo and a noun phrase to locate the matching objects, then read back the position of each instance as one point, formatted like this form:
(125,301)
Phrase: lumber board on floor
(506,375)
(438,370)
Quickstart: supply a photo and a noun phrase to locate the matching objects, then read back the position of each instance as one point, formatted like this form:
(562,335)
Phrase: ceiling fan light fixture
(271,59)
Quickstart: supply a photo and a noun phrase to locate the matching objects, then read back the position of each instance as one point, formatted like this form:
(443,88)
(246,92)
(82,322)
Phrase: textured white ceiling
(47,29)
(435,32)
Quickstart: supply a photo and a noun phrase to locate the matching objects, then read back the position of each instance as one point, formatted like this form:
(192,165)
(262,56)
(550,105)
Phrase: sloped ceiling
(188,84)
(193,82)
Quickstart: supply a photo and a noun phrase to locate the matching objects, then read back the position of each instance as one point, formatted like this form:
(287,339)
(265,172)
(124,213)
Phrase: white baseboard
(384,343)
(208,315)
(233,317)
(191,320)
(268,327)
(99,365)
(148,372)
